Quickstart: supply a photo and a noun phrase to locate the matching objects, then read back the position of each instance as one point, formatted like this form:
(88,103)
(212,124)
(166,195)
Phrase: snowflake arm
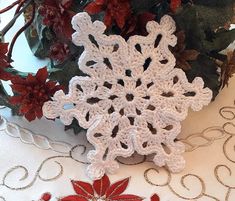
(102,53)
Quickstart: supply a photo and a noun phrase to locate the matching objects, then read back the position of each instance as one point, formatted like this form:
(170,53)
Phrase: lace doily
(132,98)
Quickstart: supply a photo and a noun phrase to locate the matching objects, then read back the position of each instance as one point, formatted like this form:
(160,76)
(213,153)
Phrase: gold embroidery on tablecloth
(82,153)
(183,179)
(230,141)
(207,140)
(37,174)
(35,177)
(226,130)
(227,113)
(2,198)
(219,179)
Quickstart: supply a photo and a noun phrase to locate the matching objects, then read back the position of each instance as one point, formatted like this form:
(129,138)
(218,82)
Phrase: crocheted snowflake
(132,98)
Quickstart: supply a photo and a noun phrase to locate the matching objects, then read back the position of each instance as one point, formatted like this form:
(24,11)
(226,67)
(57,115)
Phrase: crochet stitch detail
(132,98)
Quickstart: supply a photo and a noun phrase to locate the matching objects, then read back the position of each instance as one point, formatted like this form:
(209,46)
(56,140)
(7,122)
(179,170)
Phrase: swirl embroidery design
(223,173)
(187,186)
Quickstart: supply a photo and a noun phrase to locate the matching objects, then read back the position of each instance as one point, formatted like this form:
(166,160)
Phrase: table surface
(41,157)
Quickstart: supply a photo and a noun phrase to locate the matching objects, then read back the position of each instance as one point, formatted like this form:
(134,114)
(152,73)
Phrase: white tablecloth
(44,158)
(32,164)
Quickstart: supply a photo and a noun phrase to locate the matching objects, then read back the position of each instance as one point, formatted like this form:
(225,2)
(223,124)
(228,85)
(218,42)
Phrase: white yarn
(133,98)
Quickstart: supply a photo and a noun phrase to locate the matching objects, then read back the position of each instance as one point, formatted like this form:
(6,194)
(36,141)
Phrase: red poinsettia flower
(136,24)
(59,52)
(115,10)
(32,92)
(4,63)
(101,189)
(56,14)
(175,4)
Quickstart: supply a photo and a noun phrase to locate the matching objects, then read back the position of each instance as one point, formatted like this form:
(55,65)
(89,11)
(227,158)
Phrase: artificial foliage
(203,31)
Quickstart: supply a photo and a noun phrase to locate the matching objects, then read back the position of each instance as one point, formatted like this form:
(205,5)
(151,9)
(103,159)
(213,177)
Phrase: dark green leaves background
(203,22)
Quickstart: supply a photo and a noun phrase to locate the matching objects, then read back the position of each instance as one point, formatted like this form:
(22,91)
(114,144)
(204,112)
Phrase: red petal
(42,75)
(127,198)
(121,20)
(18,80)
(5,75)
(18,88)
(175,4)
(25,108)
(3,48)
(50,3)
(3,61)
(155,198)
(68,30)
(50,85)
(93,8)
(46,197)
(14,100)
(107,19)
(100,2)
(83,188)
(101,185)
(73,198)
(30,116)
(66,3)
(117,188)
(146,17)
(31,79)
(38,113)
(59,87)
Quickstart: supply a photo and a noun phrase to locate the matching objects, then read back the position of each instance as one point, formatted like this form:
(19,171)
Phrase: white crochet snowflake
(132,98)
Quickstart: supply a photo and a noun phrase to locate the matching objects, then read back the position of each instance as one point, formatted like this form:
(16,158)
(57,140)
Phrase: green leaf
(161,9)
(188,21)
(219,41)
(214,3)
(215,17)
(16,72)
(78,6)
(65,72)
(142,6)
(4,101)
(39,37)
(205,68)
(2,90)
(74,126)
(199,28)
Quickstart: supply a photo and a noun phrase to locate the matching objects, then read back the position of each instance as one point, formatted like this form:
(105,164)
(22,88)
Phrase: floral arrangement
(203,31)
